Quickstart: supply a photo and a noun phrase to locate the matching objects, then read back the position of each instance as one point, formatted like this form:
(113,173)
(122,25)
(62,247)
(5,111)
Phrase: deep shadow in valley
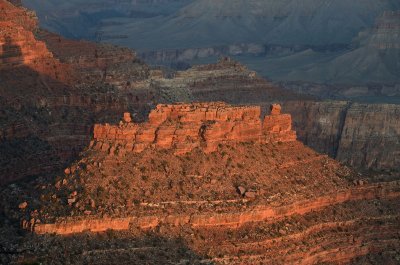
(110,247)
(45,122)
(11,52)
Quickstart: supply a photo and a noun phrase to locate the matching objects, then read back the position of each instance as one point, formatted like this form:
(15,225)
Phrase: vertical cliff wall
(370,136)
(362,135)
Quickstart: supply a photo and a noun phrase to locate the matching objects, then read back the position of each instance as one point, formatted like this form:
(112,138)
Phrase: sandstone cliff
(83,83)
(18,15)
(368,143)
(187,126)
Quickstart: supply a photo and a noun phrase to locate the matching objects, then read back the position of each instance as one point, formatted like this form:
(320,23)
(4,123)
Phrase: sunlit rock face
(183,127)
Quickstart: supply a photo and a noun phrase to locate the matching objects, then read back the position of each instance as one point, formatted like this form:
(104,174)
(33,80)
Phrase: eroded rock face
(98,62)
(50,98)
(370,137)
(19,47)
(365,136)
(18,15)
(222,220)
(184,127)
(53,90)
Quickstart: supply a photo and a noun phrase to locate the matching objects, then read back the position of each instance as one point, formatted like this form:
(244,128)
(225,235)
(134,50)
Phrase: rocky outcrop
(319,124)
(190,54)
(55,89)
(184,127)
(240,191)
(227,81)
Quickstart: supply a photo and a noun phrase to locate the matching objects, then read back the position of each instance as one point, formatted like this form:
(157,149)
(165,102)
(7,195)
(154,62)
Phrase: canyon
(371,59)
(42,94)
(100,164)
(238,203)
(98,82)
(281,41)
(105,81)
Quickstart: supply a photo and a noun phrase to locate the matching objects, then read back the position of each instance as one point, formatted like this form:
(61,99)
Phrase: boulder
(23,205)
(127,117)
(241,190)
(250,194)
(276,109)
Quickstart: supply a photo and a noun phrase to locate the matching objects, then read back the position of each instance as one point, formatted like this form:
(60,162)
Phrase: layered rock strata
(53,90)
(255,199)
(19,47)
(246,203)
(260,213)
(20,16)
(365,136)
(226,80)
(114,65)
(34,71)
(371,128)
(184,127)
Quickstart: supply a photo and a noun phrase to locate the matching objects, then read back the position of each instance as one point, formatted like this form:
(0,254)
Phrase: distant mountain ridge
(188,23)
(81,19)
(376,58)
(323,41)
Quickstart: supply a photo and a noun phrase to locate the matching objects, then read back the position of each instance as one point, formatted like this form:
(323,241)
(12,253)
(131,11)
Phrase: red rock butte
(183,127)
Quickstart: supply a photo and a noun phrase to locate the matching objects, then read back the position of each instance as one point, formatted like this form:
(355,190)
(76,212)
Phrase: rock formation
(98,62)
(19,47)
(387,190)
(47,87)
(260,197)
(18,15)
(230,183)
(365,136)
(318,123)
(53,90)
(184,127)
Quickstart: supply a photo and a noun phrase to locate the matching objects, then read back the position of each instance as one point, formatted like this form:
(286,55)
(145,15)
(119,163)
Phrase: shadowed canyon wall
(361,135)
(50,104)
